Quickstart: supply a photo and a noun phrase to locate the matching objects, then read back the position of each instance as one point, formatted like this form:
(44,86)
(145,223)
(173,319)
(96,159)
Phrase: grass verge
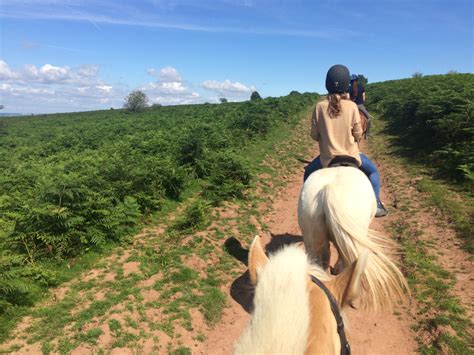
(442,324)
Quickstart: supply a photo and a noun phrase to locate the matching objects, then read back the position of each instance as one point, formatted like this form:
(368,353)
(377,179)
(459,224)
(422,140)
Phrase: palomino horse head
(292,314)
(337,205)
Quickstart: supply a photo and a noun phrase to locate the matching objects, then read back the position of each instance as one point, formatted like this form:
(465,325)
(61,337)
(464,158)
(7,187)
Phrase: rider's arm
(356,126)
(314,126)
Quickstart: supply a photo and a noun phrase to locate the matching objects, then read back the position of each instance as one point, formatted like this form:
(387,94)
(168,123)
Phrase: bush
(229,176)
(195,216)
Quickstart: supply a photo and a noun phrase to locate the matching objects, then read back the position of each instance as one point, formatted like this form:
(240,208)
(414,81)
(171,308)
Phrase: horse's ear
(257,259)
(347,286)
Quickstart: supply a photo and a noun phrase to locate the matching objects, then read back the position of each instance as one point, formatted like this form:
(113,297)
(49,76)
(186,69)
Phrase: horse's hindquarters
(344,193)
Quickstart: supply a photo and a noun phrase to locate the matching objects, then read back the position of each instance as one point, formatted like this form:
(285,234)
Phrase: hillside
(433,120)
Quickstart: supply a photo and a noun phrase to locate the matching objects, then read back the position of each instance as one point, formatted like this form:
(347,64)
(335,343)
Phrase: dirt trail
(368,333)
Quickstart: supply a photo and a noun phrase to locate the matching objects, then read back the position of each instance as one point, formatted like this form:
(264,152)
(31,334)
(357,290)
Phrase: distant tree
(362,79)
(156,105)
(453,72)
(136,101)
(223,100)
(294,92)
(2,107)
(255,96)
(417,75)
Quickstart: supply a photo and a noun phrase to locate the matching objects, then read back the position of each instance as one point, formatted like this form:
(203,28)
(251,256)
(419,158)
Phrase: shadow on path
(241,290)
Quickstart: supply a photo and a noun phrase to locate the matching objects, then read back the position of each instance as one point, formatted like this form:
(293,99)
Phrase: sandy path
(368,333)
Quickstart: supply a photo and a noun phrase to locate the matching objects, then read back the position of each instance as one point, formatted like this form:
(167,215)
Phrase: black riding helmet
(337,79)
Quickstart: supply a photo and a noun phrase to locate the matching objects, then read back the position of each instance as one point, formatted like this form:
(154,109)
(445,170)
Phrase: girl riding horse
(336,126)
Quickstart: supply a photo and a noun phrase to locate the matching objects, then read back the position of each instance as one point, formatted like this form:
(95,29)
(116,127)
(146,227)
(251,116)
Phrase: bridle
(345,348)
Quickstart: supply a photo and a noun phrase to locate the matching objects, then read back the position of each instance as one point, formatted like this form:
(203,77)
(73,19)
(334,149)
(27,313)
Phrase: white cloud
(106,88)
(49,74)
(87,71)
(30,71)
(16,90)
(227,87)
(5,72)
(169,74)
(169,89)
(55,88)
(189,98)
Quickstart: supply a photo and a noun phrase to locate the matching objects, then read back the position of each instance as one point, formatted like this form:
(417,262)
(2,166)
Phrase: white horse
(293,315)
(337,205)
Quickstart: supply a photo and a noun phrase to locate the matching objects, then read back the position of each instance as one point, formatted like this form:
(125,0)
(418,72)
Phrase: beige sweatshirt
(336,135)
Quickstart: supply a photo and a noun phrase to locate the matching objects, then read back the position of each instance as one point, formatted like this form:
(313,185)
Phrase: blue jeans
(368,167)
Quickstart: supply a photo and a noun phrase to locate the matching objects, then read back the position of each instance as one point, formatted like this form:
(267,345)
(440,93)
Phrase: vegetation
(433,117)
(442,318)
(136,101)
(362,80)
(255,96)
(73,183)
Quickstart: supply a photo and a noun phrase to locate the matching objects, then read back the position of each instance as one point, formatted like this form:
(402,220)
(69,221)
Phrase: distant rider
(357,94)
(335,125)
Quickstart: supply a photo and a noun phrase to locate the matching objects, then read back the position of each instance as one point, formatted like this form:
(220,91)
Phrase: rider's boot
(381,210)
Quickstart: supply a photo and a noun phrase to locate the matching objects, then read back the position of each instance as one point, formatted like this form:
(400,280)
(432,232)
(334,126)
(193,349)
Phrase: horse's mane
(281,317)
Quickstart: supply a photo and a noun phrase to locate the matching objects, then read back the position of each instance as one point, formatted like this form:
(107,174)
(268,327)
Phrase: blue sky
(77,55)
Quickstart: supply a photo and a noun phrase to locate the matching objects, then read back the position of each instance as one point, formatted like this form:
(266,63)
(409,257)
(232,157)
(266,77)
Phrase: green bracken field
(433,118)
(72,182)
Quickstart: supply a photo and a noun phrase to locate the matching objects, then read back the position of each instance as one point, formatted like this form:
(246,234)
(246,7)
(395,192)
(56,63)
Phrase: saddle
(344,160)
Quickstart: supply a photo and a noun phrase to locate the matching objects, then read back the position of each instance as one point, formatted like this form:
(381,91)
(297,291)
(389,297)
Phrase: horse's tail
(383,283)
